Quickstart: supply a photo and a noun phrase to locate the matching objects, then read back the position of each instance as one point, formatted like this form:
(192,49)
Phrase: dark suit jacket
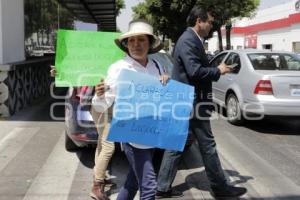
(192,67)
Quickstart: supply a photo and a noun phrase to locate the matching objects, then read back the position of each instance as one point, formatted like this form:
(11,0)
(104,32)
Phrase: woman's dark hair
(124,42)
(151,40)
(198,12)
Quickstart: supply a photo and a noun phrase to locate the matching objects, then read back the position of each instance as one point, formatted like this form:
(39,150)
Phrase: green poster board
(83,57)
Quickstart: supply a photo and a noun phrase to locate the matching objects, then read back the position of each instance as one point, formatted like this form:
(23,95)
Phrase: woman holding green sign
(138,42)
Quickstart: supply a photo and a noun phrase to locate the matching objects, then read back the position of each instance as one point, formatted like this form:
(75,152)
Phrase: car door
(215,62)
(229,79)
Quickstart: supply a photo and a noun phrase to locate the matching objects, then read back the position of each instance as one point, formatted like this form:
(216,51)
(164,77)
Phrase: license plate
(295,92)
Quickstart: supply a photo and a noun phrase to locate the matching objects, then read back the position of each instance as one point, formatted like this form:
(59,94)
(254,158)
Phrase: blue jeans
(207,147)
(141,174)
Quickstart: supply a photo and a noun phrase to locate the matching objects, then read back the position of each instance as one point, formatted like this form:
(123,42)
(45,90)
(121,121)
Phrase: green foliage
(119,5)
(169,16)
(44,17)
(41,17)
(141,12)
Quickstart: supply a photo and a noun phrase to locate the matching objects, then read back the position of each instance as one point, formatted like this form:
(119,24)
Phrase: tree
(169,16)
(243,9)
(119,5)
(141,11)
(228,10)
(225,11)
(41,17)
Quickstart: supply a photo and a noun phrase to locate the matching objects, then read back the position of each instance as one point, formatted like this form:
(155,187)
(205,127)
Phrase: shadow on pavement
(86,156)
(199,179)
(275,125)
(279,125)
(238,177)
(277,198)
(259,198)
(43,109)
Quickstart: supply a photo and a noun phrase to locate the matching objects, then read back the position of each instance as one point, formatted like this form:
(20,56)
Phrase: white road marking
(267,181)
(55,179)
(13,143)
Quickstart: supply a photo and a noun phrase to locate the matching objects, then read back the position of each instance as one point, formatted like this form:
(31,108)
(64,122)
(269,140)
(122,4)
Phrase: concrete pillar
(11,31)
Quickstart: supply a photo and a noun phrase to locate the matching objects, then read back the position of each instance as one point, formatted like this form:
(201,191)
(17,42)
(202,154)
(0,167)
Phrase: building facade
(275,28)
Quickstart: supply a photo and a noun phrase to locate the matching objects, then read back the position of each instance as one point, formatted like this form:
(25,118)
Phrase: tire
(233,110)
(69,144)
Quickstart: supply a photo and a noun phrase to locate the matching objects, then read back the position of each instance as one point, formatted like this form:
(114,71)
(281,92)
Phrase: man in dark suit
(192,67)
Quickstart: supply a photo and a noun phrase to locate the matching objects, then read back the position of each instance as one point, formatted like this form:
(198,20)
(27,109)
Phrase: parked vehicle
(41,51)
(262,83)
(80,129)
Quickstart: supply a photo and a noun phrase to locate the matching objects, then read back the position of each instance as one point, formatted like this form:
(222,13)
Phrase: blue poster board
(149,113)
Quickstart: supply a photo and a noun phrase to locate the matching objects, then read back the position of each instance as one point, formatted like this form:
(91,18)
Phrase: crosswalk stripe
(247,162)
(13,143)
(55,179)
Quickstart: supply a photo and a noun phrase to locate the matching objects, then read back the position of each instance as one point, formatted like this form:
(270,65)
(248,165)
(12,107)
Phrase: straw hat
(139,27)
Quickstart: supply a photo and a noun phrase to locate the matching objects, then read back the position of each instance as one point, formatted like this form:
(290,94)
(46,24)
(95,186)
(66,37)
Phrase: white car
(263,83)
(42,50)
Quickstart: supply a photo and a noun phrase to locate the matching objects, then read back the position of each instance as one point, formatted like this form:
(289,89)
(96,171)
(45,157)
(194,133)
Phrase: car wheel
(233,110)
(69,144)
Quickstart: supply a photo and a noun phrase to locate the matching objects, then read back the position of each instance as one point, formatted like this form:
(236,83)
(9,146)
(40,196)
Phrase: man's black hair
(199,12)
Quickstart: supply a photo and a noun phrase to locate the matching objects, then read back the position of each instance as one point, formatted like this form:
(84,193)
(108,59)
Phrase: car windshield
(164,59)
(274,61)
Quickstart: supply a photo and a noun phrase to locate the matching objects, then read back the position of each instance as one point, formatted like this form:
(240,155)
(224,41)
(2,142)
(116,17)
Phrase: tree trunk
(48,38)
(43,35)
(220,39)
(38,38)
(228,30)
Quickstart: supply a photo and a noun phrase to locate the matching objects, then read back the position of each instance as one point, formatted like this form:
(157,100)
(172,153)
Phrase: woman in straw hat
(138,42)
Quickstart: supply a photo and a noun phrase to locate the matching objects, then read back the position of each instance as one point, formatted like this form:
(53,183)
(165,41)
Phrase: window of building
(267,46)
(296,47)
(250,41)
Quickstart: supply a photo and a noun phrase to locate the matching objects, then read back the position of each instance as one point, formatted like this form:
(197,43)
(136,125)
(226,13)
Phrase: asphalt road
(266,154)
(263,155)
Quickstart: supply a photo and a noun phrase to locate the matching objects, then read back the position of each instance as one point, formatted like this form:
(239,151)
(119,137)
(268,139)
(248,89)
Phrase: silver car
(262,83)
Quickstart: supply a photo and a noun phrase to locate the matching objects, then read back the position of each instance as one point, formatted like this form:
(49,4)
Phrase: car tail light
(80,137)
(264,87)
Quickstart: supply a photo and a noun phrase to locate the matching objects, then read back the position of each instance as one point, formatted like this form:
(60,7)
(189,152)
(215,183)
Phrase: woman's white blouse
(102,103)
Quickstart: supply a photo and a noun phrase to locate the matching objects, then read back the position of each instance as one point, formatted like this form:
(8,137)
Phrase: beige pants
(105,149)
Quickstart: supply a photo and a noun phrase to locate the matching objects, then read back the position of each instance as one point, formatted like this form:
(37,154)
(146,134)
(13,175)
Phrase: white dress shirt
(102,103)
(200,38)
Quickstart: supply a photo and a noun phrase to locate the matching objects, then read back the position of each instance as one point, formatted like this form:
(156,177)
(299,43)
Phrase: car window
(164,59)
(274,61)
(218,59)
(292,63)
(233,59)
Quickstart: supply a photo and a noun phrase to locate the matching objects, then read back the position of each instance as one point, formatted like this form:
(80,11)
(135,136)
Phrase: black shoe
(169,194)
(228,191)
